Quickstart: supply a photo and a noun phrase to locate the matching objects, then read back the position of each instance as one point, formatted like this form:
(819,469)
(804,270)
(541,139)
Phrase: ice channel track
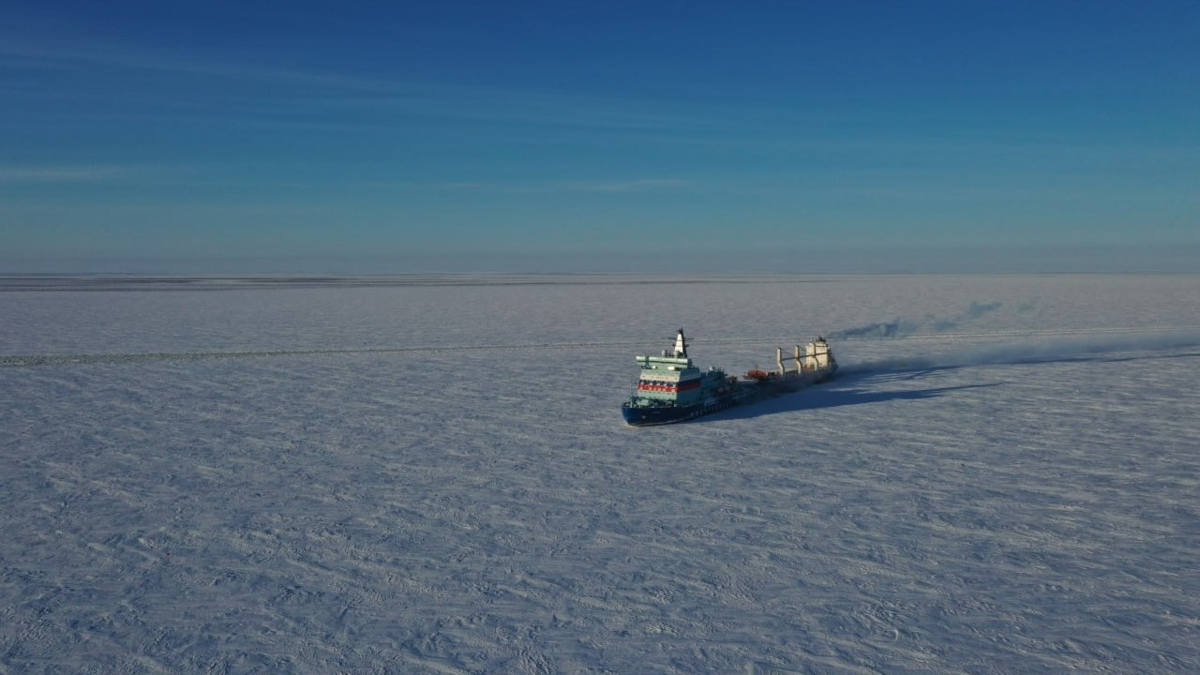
(32,360)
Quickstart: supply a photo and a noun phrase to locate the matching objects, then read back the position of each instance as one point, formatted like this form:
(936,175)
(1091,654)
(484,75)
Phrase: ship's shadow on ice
(852,390)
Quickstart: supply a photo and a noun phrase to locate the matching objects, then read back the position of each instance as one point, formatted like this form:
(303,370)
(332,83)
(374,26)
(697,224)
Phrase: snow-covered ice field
(431,475)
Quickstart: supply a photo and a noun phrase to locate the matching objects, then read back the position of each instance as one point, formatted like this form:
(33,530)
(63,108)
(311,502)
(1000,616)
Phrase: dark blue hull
(646,416)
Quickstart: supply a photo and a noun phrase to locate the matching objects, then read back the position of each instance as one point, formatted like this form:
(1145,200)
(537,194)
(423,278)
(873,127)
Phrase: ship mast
(680,346)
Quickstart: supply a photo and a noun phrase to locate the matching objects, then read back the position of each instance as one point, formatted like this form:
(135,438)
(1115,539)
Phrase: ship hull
(746,392)
(654,416)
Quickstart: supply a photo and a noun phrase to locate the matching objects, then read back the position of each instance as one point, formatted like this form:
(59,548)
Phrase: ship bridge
(670,378)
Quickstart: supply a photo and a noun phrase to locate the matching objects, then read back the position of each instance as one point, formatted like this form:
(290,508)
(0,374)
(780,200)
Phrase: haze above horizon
(242,137)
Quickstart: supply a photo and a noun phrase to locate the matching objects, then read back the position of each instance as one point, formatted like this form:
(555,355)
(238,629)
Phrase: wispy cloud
(327,95)
(643,185)
(594,186)
(65,174)
(48,54)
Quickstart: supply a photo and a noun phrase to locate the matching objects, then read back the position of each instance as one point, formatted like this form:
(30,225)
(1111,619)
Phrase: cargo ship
(671,388)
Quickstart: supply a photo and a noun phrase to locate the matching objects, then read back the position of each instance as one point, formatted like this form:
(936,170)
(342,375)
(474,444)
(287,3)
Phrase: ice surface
(434,477)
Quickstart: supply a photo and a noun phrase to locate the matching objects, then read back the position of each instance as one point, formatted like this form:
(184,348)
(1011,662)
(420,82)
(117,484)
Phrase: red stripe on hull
(669,388)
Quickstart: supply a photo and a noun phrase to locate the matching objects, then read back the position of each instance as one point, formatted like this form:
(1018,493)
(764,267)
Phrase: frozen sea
(430,474)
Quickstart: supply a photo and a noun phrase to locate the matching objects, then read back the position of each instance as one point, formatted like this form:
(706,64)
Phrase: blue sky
(412,135)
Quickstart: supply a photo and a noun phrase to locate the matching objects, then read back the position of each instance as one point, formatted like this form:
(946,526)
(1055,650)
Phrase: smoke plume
(1043,351)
